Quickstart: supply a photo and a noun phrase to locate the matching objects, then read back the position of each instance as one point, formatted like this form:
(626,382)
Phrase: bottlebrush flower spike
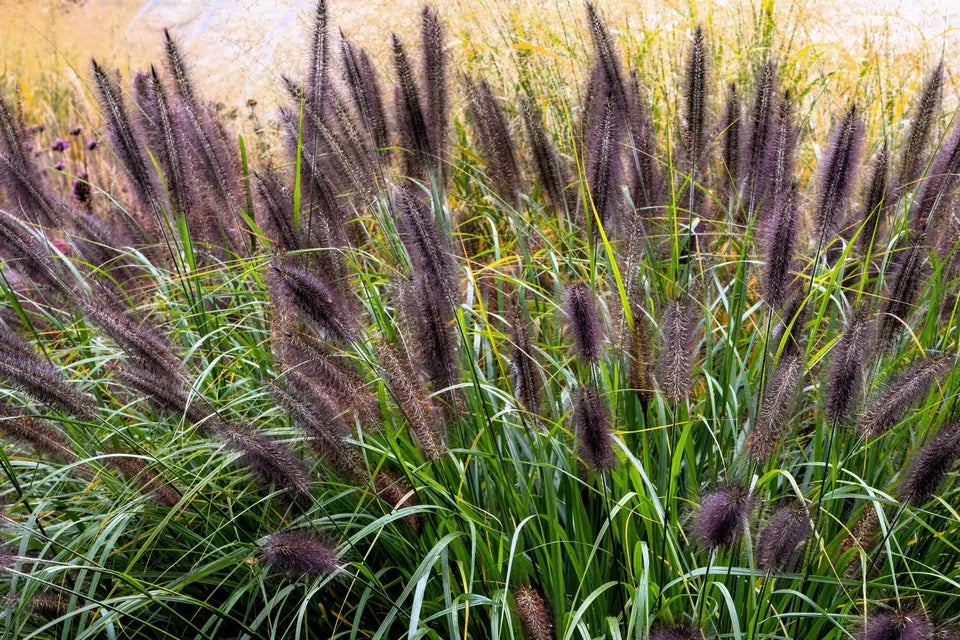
(551,173)
(607,57)
(295,552)
(772,419)
(428,248)
(528,385)
(135,469)
(780,247)
(678,340)
(315,300)
(676,633)
(417,407)
(534,613)
(902,293)
(410,119)
(583,321)
(723,516)
(604,164)
(593,429)
(839,172)
(875,200)
(435,80)
(646,181)
(929,467)
(364,86)
(756,167)
(39,434)
(733,114)
(914,156)
(846,367)
(494,139)
(888,407)
(317,84)
(695,86)
(895,625)
(782,539)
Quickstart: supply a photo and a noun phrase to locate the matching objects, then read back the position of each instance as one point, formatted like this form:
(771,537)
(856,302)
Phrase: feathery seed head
(294,552)
(534,613)
(593,429)
(723,516)
(782,539)
(583,321)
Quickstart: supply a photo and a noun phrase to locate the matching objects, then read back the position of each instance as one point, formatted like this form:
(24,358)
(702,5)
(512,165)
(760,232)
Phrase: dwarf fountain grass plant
(501,361)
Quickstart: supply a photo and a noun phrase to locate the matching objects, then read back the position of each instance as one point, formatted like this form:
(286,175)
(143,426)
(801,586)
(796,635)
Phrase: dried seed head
(49,604)
(316,300)
(782,539)
(39,434)
(723,516)
(593,429)
(583,321)
(294,552)
(534,613)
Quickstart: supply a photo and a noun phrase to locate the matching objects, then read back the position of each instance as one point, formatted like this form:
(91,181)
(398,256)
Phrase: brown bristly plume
(534,613)
(435,81)
(903,290)
(494,139)
(134,468)
(424,418)
(411,121)
(930,466)
(839,172)
(678,340)
(847,364)
(37,433)
(592,427)
(550,171)
(922,120)
(528,385)
(779,249)
(875,201)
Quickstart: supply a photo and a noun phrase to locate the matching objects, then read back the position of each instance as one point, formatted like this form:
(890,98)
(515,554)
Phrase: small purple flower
(58,165)
(59,145)
(81,188)
(92,144)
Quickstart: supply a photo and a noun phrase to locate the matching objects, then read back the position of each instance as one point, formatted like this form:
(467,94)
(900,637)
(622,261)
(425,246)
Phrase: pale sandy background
(239,47)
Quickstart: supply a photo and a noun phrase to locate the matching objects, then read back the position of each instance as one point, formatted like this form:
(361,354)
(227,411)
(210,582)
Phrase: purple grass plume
(782,539)
(493,137)
(930,466)
(432,324)
(732,121)
(317,302)
(607,58)
(941,180)
(425,243)
(897,624)
(646,176)
(435,81)
(527,383)
(604,166)
(922,120)
(773,417)
(839,173)
(875,201)
(39,434)
(723,516)
(847,365)
(886,409)
(298,553)
(695,97)
(417,407)
(534,613)
(780,248)
(756,165)
(641,363)
(410,118)
(364,86)
(593,429)
(150,483)
(678,348)
(583,322)
(676,633)
(903,290)
(551,173)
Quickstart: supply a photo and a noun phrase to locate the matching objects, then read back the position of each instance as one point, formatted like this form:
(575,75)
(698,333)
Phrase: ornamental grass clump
(589,332)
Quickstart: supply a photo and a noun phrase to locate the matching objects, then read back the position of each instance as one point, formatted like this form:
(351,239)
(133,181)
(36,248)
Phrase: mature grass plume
(23,368)
(847,365)
(270,461)
(431,322)
(171,394)
(435,81)
(782,539)
(296,552)
(425,243)
(319,70)
(940,181)
(913,158)
(930,466)
(49,604)
(534,613)
(695,98)
(779,249)
(903,291)
(756,167)
(135,469)
(784,155)
(135,335)
(839,173)
(676,633)
(774,413)
(410,119)
(365,89)
(551,173)
(678,341)
(603,159)
(593,430)
(317,302)
(126,145)
(646,176)
(416,406)
(733,115)
(38,434)
(22,251)
(274,216)
(723,516)
(886,409)
(897,624)
(607,57)
(875,200)
(494,139)
(527,384)
(583,322)
(641,363)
